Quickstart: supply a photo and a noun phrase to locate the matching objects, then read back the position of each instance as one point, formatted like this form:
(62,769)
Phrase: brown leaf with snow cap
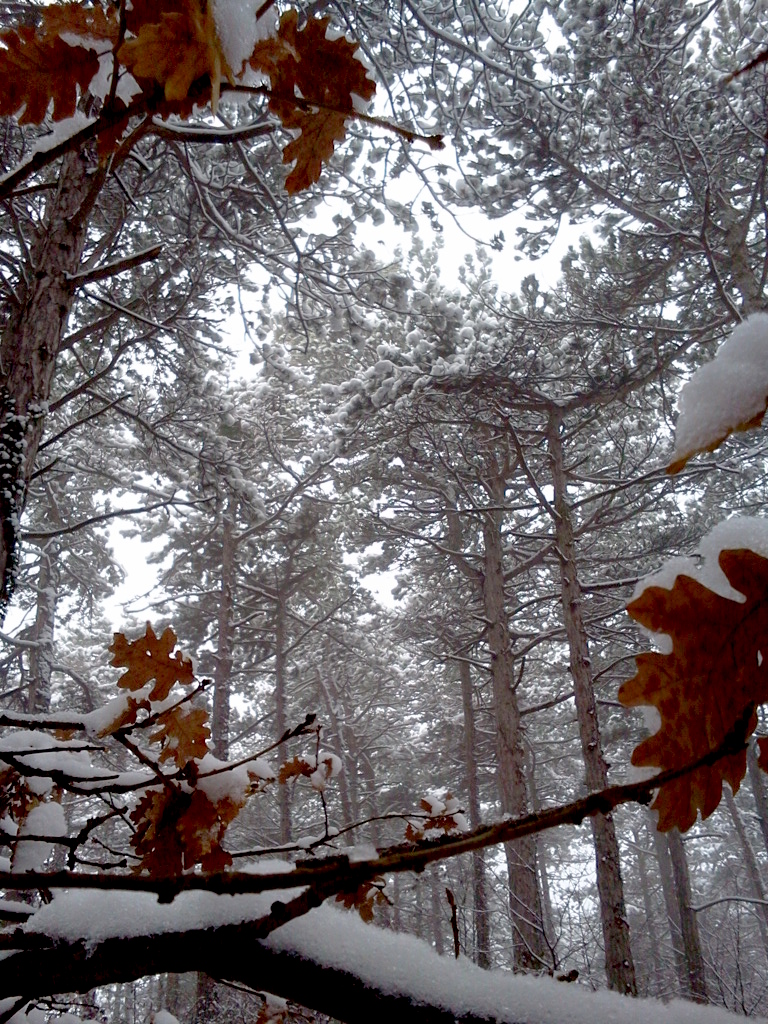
(715,673)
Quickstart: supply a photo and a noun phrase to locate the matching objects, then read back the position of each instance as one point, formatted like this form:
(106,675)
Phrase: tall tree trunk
(753,870)
(436,890)
(757,780)
(223,672)
(694,959)
(281,715)
(480,919)
(661,848)
(30,344)
(657,963)
(529,945)
(548,917)
(619,966)
(41,657)
(480,916)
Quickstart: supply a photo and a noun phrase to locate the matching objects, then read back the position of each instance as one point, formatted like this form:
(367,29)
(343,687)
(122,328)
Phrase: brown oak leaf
(716,672)
(156,839)
(125,715)
(294,768)
(324,74)
(183,734)
(150,658)
(80,22)
(35,71)
(178,48)
(145,12)
(364,897)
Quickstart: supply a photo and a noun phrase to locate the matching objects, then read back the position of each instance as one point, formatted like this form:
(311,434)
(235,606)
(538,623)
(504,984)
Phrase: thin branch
(337,874)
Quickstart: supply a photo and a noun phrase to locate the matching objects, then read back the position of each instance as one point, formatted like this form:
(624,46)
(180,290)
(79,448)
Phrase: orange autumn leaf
(304,63)
(294,768)
(715,673)
(125,715)
(150,658)
(156,840)
(35,71)
(363,898)
(183,734)
(178,48)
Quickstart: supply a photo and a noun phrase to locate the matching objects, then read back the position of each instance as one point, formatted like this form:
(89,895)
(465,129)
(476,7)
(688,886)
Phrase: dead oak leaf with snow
(178,48)
(717,670)
(37,70)
(323,74)
(183,734)
(149,657)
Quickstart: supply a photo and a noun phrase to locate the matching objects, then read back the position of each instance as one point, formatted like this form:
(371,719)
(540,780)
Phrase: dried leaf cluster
(170,52)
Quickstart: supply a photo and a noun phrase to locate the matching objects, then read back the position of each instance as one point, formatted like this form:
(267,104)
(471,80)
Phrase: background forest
(270,409)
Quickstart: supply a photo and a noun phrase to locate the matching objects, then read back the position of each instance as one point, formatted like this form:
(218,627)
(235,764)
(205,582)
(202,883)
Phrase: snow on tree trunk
(30,344)
(619,966)
(530,948)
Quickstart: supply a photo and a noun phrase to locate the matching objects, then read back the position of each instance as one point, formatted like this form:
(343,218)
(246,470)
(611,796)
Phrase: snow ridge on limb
(725,396)
(329,961)
(711,672)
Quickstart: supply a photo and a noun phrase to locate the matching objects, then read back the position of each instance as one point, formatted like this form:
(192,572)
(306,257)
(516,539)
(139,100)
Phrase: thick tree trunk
(619,966)
(221,678)
(696,977)
(30,344)
(529,944)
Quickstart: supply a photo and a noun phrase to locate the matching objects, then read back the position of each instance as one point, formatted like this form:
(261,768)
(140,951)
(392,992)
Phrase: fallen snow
(393,963)
(727,392)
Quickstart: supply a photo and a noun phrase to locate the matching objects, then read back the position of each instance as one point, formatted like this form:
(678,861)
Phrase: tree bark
(30,345)
(480,915)
(619,965)
(659,971)
(221,678)
(757,779)
(753,869)
(41,656)
(480,918)
(230,953)
(696,977)
(529,945)
(661,847)
(281,715)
